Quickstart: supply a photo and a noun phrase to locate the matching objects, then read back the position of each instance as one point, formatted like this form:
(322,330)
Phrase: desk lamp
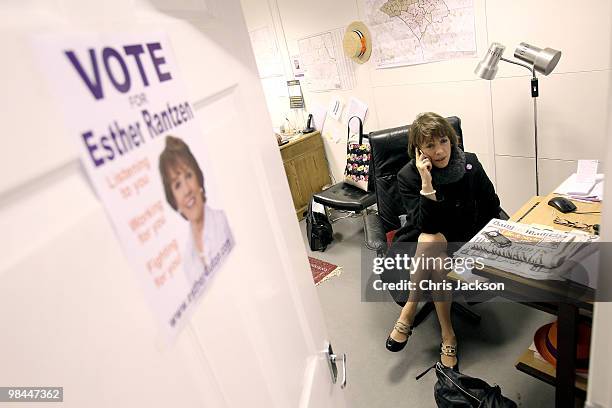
(543,61)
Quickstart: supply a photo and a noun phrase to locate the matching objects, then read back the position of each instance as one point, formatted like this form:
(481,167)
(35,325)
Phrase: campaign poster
(127,110)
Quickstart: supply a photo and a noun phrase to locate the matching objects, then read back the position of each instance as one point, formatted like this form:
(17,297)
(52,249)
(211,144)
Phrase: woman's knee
(433,238)
(431,244)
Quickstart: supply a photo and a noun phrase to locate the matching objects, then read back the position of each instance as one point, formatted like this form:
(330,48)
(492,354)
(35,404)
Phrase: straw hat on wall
(357,42)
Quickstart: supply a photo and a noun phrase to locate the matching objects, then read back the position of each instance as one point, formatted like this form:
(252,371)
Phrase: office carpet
(380,379)
(322,271)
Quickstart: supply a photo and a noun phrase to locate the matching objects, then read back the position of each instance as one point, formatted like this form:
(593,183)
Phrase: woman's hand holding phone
(423,164)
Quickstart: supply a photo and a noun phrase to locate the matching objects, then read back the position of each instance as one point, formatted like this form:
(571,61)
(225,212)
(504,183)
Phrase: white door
(599,393)
(72,311)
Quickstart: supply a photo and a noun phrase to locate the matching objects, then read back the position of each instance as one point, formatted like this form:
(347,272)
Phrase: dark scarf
(453,172)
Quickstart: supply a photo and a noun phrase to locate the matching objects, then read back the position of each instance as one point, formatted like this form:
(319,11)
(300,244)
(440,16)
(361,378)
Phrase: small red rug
(322,271)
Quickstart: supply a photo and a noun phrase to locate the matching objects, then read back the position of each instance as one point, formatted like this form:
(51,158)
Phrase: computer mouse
(562,204)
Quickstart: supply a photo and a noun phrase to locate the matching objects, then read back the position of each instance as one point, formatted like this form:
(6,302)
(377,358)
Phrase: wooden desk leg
(567,336)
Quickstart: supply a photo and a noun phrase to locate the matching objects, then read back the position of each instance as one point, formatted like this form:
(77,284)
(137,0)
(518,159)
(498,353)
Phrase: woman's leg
(443,310)
(428,246)
(443,303)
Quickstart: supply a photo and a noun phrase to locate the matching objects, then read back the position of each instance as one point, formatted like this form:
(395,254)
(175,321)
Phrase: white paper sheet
(356,108)
(295,90)
(319,113)
(267,56)
(587,170)
(298,67)
(335,108)
(585,178)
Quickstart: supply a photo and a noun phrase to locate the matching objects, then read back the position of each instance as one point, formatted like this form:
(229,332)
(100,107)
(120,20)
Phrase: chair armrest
(375,234)
(503,215)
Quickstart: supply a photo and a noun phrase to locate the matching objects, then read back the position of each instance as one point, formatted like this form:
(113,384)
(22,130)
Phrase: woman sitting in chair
(448,198)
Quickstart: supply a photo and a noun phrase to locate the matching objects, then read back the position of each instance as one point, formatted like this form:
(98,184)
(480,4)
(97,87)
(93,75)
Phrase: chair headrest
(389,149)
(390,146)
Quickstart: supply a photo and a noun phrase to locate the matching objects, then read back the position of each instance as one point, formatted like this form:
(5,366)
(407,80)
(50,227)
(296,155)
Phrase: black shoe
(396,346)
(449,350)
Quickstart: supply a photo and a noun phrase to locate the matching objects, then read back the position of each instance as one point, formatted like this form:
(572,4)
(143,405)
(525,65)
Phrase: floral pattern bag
(357,170)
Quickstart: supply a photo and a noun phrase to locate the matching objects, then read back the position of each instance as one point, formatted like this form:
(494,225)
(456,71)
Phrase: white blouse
(218,242)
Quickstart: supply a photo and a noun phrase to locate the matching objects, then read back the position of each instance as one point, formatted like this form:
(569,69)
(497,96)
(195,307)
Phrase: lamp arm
(534,94)
(531,68)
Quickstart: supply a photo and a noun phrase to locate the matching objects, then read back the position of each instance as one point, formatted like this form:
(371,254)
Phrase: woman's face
(438,149)
(187,192)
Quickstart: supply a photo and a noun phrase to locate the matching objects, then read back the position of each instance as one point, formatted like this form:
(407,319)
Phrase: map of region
(325,65)
(408,32)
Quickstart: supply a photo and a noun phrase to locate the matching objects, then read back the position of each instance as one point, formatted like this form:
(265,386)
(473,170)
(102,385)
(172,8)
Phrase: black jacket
(461,210)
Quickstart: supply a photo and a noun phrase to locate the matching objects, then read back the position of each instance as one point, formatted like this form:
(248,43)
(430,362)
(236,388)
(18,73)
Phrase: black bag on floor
(318,230)
(456,390)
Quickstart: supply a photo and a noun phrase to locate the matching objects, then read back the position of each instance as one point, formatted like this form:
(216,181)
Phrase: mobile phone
(426,157)
(497,238)
(421,152)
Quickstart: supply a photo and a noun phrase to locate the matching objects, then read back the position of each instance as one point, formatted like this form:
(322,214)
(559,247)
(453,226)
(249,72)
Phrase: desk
(537,211)
(306,169)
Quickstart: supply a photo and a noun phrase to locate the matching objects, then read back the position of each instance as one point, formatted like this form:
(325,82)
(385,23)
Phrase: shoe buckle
(448,350)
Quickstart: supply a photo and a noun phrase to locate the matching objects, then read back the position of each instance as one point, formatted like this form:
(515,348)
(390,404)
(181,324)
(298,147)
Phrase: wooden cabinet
(306,168)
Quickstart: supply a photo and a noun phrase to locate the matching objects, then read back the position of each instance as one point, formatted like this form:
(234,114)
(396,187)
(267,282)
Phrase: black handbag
(318,230)
(456,390)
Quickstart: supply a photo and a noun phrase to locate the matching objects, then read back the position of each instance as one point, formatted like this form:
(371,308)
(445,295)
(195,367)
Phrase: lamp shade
(544,60)
(487,68)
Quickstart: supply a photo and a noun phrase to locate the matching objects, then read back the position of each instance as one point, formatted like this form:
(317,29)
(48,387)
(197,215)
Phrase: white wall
(498,115)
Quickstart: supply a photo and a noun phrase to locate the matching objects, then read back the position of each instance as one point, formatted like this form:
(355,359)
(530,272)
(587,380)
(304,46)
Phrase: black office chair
(345,197)
(389,155)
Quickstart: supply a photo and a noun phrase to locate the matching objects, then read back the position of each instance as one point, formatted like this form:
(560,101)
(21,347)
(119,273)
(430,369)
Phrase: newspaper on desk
(535,253)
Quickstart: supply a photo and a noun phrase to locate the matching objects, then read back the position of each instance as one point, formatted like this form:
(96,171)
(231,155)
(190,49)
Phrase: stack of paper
(585,184)
(576,190)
